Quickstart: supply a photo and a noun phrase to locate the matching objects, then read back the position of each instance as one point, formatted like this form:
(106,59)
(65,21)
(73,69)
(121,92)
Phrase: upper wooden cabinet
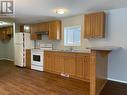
(35,36)
(55,30)
(94,25)
(33,29)
(21,28)
(39,27)
(9,30)
(43,26)
(6,33)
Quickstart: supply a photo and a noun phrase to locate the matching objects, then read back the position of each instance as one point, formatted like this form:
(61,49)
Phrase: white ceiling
(29,11)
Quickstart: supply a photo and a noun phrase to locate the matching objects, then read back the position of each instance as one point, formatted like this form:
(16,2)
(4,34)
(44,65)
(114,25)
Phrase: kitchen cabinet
(72,64)
(39,27)
(43,27)
(28,58)
(9,30)
(58,62)
(21,28)
(33,29)
(69,64)
(34,36)
(94,25)
(53,62)
(55,30)
(83,66)
(6,33)
(49,62)
(90,67)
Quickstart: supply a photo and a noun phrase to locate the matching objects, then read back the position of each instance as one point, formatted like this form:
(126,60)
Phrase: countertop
(72,51)
(104,48)
(88,49)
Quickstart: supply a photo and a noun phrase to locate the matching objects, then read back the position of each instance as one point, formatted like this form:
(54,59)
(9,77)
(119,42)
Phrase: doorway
(7,29)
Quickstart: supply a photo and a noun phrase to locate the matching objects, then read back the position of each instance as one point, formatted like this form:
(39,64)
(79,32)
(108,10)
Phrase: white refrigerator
(22,42)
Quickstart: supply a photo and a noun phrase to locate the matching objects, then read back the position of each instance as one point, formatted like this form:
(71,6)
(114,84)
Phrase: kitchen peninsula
(87,66)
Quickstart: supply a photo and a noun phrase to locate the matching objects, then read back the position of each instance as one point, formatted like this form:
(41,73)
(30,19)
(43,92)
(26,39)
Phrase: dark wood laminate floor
(19,81)
(114,88)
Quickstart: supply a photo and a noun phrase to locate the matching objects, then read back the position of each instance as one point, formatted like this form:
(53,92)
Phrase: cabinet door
(99,21)
(4,35)
(43,27)
(9,30)
(83,66)
(28,58)
(21,28)
(94,25)
(48,61)
(34,28)
(87,33)
(54,30)
(69,63)
(58,62)
(35,37)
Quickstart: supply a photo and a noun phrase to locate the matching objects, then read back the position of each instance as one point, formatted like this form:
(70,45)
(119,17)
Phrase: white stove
(37,56)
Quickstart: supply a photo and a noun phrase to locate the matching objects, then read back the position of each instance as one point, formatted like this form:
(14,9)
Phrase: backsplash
(60,44)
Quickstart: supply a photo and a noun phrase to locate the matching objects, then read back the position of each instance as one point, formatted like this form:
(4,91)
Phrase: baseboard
(117,80)
(7,59)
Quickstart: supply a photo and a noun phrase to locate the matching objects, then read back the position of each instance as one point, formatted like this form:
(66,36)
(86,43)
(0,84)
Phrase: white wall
(1,50)
(116,34)
(8,49)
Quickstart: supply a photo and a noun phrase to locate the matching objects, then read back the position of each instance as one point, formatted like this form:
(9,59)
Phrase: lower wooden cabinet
(75,65)
(28,58)
(83,66)
(48,62)
(58,62)
(69,64)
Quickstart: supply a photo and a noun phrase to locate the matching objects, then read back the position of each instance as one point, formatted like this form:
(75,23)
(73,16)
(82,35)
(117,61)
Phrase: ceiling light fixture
(60,11)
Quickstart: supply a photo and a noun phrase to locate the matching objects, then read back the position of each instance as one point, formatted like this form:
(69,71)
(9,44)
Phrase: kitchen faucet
(71,48)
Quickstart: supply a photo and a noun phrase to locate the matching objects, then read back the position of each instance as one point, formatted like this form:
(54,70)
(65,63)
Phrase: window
(72,36)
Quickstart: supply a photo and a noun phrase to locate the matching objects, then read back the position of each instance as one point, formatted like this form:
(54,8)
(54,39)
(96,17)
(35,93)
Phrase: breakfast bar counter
(90,66)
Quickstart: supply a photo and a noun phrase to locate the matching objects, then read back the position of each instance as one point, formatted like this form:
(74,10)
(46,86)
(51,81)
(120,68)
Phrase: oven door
(37,59)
